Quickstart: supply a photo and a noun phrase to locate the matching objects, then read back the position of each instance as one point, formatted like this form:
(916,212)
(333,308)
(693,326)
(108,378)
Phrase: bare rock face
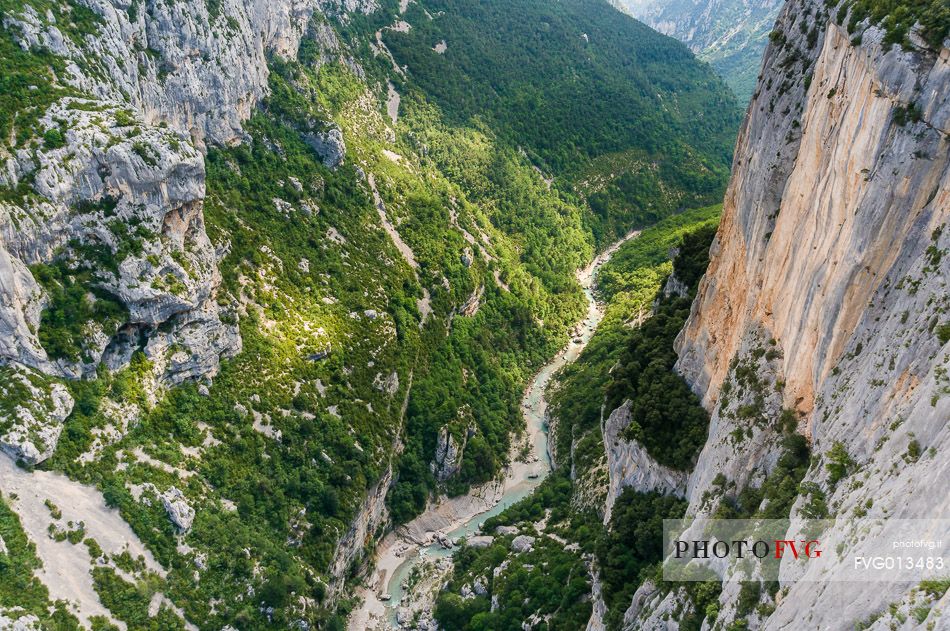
(165,58)
(481,541)
(369,519)
(744,442)
(132,195)
(21,301)
(832,256)
(17,620)
(448,455)
(32,411)
(180,512)
(522,543)
(630,465)
(328,145)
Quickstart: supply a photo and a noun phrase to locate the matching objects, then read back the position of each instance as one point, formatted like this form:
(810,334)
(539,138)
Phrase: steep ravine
(427,542)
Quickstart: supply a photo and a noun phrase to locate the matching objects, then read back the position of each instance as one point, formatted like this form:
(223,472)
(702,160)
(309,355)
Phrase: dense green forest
(622,116)
(485,111)
(629,283)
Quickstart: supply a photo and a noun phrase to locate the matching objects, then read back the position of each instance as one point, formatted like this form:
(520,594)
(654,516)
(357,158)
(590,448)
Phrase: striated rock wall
(364,531)
(831,204)
(169,59)
(832,254)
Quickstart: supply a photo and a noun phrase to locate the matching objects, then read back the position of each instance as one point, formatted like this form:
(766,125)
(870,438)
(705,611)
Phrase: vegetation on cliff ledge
(898,17)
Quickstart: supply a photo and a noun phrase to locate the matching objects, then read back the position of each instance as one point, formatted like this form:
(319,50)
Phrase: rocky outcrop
(653,609)
(673,286)
(165,58)
(827,286)
(124,201)
(366,525)
(598,606)
(630,465)
(179,511)
(328,145)
(522,543)
(17,620)
(472,303)
(32,411)
(448,454)
(744,440)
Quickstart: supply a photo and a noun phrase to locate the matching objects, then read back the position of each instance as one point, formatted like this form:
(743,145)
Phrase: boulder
(522,543)
(179,511)
(482,541)
(480,586)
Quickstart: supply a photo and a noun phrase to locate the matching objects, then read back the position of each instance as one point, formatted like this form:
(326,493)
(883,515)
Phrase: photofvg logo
(761,549)
(790,550)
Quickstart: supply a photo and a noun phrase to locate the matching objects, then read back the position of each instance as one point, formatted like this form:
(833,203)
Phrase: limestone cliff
(629,464)
(828,283)
(121,181)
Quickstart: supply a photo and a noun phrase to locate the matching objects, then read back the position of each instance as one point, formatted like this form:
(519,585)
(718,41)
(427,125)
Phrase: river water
(521,477)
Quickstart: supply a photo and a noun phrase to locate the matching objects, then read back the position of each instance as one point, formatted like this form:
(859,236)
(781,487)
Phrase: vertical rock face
(831,205)
(833,252)
(629,464)
(371,517)
(448,455)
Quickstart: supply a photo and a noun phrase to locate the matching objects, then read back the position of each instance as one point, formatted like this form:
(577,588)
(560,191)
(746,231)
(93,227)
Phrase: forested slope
(793,367)
(624,117)
(241,310)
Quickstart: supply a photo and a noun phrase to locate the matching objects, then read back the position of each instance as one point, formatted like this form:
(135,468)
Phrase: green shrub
(74,302)
(632,544)
(749,595)
(839,464)
(897,17)
(54,138)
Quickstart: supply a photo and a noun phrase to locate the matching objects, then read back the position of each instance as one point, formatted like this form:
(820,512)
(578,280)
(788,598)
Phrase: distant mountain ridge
(729,34)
